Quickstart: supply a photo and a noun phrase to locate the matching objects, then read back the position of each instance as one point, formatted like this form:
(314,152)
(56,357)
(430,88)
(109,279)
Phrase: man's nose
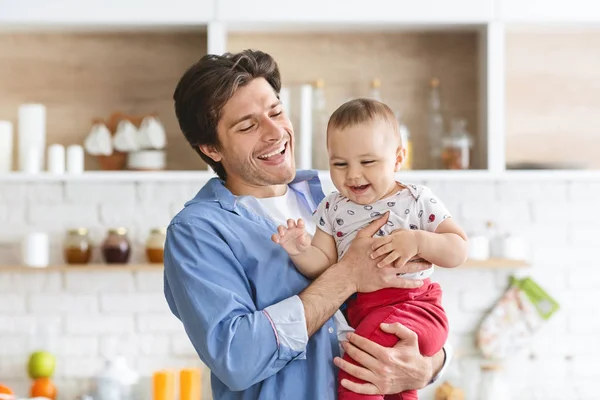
(272,131)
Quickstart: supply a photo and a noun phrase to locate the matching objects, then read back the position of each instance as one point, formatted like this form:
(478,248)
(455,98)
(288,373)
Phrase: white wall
(91,310)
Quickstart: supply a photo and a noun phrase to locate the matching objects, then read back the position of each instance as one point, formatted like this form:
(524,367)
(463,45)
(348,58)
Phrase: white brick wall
(98,314)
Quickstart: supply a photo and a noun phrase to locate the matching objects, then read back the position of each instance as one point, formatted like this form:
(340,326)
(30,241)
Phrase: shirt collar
(215,190)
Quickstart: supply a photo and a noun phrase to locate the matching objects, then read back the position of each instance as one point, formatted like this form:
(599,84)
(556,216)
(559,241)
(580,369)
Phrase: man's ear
(210,151)
(400,156)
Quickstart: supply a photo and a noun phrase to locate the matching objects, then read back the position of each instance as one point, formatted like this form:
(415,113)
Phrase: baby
(365,151)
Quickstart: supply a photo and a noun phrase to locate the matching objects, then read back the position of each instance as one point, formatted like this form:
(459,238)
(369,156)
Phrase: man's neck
(242,189)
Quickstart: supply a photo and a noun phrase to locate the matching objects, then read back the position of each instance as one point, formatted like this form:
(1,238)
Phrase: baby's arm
(447,247)
(311,258)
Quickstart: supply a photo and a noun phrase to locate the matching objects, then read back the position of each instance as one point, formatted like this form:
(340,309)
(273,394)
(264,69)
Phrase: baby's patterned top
(413,207)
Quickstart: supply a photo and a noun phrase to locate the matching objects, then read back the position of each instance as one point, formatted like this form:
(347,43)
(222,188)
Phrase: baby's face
(363,159)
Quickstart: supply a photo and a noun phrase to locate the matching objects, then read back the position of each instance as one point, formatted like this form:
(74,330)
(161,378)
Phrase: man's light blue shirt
(236,293)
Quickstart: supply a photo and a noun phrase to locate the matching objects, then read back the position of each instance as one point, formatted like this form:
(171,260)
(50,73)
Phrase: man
(263,329)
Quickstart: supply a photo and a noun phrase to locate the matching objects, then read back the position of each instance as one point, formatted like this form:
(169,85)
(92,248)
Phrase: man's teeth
(274,152)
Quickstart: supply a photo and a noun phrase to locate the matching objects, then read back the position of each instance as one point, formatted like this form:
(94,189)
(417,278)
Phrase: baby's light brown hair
(360,111)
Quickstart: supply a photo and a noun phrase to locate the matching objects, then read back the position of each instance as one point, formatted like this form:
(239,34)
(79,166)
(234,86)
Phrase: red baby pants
(418,309)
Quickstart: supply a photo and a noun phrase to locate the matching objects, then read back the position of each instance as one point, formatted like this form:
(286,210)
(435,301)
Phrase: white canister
(479,248)
(35,250)
(56,159)
(6,146)
(75,159)
(514,247)
(31,161)
(32,134)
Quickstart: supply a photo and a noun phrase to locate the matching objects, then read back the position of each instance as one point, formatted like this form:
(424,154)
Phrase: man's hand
(294,239)
(398,248)
(362,269)
(388,370)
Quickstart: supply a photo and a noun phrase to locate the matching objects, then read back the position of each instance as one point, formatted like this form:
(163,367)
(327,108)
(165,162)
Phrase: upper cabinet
(534,11)
(355,11)
(65,13)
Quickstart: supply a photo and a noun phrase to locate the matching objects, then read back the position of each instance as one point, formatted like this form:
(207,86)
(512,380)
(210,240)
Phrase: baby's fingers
(281,230)
(301,224)
(393,256)
(385,249)
(275,238)
(291,223)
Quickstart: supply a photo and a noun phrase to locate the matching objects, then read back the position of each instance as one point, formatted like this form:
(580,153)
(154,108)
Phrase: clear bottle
(320,118)
(406,143)
(375,91)
(456,152)
(435,125)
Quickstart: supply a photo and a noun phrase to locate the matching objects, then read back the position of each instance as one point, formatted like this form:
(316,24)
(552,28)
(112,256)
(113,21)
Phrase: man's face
(257,140)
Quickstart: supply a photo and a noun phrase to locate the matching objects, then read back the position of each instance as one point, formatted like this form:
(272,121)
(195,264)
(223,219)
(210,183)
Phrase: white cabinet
(355,11)
(65,13)
(540,11)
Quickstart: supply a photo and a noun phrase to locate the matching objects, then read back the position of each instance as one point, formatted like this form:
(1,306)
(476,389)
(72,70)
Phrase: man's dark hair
(207,85)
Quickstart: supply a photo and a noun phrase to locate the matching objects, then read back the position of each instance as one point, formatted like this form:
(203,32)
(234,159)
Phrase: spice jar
(456,147)
(116,248)
(77,247)
(155,245)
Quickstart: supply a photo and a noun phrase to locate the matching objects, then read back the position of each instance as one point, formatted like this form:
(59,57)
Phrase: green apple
(41,365)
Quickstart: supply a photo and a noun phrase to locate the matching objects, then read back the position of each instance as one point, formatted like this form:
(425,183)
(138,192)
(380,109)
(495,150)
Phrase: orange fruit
(6,393)
(43,387)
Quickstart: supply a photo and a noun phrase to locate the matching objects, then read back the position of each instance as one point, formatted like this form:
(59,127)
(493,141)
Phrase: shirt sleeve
(431,210)
(448,353)
(322,217)
(207,289)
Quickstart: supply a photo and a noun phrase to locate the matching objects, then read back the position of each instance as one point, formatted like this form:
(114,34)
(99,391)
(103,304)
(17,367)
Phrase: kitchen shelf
(492,263)
(201,176)
(84,268)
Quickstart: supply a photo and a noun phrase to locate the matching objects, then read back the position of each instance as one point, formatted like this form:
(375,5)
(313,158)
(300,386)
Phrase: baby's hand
(401,245)
(294,239)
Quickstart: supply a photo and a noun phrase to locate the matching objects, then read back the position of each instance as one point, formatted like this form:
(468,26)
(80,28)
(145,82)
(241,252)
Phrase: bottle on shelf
(320,158)
(435,125)
(456,147)
(406,142)
(375,93)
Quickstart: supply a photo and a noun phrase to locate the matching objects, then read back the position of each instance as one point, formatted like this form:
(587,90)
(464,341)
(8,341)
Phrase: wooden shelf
(496,263)
(493,263)
(84,268)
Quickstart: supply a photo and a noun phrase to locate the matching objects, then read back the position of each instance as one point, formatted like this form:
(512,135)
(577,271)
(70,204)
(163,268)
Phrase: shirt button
(330,330)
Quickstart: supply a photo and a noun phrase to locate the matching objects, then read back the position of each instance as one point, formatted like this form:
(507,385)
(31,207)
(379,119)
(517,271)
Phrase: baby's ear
(400,155)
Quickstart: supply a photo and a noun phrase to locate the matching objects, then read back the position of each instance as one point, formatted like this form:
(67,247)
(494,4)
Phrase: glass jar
(492,384)
(77,247)
(155,245)
(116,248)
(456,147)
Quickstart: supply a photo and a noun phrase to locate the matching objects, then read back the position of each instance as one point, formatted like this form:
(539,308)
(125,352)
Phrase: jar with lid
(116,248)
(492,384)
(456,147)
(155,245)
(77,247)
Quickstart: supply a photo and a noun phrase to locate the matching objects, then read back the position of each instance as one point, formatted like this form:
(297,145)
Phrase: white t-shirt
(279,209)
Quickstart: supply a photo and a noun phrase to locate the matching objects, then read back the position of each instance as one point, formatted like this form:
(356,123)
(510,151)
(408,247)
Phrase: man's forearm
(324,296)
(446,250)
